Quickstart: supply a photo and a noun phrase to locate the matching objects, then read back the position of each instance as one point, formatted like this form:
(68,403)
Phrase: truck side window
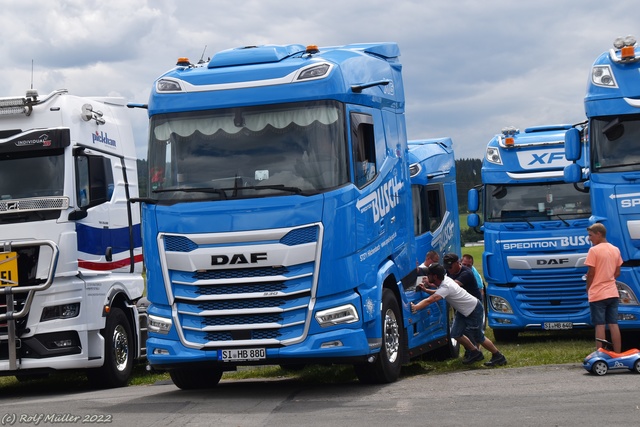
(94,180)
(364,149)
(428,207)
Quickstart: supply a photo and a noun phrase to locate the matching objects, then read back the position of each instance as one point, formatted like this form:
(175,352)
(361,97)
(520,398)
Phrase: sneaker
(472,356)
(497,359)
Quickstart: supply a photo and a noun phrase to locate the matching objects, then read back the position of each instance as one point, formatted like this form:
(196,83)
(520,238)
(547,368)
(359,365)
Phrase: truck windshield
(35,176)
(270,150)
(616,143)
(535,202)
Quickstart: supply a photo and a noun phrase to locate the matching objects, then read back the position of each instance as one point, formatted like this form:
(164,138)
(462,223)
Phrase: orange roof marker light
(508,133)
(183,61)
(311,49)
(627,48)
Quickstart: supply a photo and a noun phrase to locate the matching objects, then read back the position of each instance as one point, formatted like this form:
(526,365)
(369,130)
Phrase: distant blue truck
(286,214)
(606,156)
(535,238)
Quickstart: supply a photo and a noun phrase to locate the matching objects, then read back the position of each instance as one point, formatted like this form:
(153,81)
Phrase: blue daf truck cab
(535,238)
(286,214)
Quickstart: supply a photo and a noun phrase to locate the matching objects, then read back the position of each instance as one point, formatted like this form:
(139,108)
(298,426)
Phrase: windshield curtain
(248,152)
(35,176)
(616,143)
(535,202)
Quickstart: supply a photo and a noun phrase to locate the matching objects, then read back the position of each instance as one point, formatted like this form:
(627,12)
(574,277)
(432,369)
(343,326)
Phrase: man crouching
(468,319)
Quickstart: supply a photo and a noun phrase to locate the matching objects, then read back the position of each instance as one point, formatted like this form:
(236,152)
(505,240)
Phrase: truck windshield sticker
(554,242)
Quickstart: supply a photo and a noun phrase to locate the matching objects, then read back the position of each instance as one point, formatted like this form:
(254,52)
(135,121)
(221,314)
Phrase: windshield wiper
(561,219)
(220,191)
(281,187)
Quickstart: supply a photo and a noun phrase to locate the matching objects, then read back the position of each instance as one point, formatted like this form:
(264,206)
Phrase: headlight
(333,316)
(601,75)
(159,325)
(627,297)
(500,305)
(493,155)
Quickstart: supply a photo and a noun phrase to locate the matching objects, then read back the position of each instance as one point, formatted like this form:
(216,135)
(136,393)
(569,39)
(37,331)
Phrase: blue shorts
(472,326)
(604,312)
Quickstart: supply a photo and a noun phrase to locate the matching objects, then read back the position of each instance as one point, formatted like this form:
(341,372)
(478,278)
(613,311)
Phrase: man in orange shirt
(604,261)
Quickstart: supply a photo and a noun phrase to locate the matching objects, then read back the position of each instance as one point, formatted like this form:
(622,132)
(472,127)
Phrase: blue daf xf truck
(286,214)
(610,151)
(534,234)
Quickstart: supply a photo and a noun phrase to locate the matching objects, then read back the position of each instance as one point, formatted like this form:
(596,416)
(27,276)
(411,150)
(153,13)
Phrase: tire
(600,368)
(118,353)
(387,364)
(505,335)
(195,379)
(636,367)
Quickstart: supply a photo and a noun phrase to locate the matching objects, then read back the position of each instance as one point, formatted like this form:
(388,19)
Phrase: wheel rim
(600,368)
(391,335)
(120,348)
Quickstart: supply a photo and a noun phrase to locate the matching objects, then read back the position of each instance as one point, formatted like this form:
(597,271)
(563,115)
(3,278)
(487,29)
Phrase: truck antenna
(32,74)
(202,56)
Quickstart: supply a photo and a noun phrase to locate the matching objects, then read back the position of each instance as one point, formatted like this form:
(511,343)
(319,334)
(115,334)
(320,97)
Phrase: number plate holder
(555,326)
(9,269)
(242,354)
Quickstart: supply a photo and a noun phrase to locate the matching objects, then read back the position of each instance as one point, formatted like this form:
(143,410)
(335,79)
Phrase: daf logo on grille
(253,258)
(552,261)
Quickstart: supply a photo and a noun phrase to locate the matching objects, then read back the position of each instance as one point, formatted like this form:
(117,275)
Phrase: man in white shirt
(468,318)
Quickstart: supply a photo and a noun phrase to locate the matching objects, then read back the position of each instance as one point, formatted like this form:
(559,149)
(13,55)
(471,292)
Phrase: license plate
(242,354)
(550,326)
(8,269)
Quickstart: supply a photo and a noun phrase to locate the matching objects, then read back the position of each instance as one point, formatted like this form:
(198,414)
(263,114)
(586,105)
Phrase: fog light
(63,343)
(331,344)
(159,325)
(64,311)
(626,316)
(504,321)
(160,351)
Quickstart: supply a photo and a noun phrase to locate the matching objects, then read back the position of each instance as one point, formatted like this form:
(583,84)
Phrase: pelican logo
(235,259)
(12,206)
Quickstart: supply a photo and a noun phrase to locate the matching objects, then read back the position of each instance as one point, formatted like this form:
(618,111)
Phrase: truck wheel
(600,368)
(195,379)
(386,367)
(118,356)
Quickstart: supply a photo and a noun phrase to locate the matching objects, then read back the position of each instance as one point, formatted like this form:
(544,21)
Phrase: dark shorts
(471,326)
(604,312)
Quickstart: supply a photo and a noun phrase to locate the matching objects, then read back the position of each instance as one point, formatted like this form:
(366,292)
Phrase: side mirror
(472,200)
(572,145)
(473,220)
(572,173)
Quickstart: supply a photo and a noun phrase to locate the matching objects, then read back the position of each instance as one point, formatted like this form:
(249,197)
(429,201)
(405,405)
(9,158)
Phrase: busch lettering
(234,259)
(382,200)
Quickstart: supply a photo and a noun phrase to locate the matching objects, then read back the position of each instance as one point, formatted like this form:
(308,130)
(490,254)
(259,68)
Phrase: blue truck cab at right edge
(286,214)
(535,238)
(606,156)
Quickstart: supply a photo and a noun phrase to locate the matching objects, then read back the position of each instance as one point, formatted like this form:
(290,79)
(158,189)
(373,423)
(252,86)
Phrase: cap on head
(449,259)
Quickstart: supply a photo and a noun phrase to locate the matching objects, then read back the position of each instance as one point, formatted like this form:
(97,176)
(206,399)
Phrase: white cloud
(470,67)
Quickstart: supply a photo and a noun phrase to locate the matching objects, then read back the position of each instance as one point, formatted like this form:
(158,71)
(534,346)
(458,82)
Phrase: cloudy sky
(471,67)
